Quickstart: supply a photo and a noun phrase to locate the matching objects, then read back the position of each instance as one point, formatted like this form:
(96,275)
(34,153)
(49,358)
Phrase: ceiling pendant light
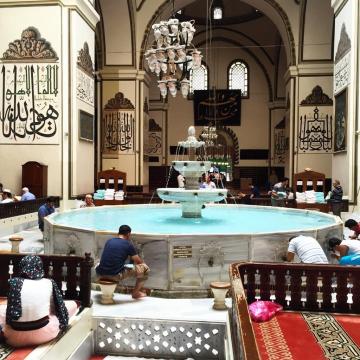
(173,55)
(217,10)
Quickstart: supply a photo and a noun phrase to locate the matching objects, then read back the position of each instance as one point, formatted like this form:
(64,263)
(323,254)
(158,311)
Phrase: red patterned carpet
(315,336)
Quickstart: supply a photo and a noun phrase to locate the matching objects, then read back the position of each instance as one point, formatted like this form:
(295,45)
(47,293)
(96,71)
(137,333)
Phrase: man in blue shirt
(27,195)
(45,210)
(112,263)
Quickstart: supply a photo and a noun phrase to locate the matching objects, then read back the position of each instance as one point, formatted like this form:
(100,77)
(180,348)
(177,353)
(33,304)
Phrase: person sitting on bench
(35,312)
(112,263)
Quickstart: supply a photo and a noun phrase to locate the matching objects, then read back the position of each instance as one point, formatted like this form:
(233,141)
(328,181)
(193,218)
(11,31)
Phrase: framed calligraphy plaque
(340,121)
(86,126)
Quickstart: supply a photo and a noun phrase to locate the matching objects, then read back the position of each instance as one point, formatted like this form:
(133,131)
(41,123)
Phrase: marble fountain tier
(191,197)
(186,254)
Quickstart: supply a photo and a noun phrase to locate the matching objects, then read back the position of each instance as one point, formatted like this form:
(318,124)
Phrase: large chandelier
(173,55)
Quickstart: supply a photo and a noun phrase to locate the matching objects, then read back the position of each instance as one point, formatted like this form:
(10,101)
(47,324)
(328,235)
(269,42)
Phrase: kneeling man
(307,249)
(112,263)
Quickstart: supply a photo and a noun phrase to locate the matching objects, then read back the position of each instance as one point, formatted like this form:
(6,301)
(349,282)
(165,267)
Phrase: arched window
(239,77)
(199,78)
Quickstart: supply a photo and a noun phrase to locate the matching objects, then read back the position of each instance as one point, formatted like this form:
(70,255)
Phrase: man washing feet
(112,263)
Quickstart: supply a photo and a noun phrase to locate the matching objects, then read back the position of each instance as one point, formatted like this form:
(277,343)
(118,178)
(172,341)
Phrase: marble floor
(159,308)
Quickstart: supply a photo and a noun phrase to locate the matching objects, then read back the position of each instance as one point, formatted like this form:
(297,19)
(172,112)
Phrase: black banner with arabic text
(220,106)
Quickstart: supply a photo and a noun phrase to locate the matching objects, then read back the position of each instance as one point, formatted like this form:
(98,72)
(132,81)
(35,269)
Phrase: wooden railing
(297,287)
(23,207)
(72,274)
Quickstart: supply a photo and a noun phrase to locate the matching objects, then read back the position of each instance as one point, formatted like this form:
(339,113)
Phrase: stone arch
(232,141)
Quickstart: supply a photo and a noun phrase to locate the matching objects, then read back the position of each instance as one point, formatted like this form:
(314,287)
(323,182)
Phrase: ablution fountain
(188,247)
(191,198)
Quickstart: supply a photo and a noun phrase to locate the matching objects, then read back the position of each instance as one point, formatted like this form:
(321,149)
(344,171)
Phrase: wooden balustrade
(17,208)
(72,274)
(297,287)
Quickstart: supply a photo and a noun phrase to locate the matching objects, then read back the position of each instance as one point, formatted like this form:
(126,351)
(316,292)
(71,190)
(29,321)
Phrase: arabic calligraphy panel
(119,131)
(220,106)
(84,87)
(315,132)
(30,111)
(340,121)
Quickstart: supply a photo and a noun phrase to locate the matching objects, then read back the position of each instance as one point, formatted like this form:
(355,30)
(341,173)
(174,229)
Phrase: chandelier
(173,55)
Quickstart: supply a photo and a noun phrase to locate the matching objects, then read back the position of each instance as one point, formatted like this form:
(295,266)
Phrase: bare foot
(138,295)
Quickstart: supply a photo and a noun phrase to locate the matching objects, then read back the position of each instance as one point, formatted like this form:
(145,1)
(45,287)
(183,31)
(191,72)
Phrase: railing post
(85,280)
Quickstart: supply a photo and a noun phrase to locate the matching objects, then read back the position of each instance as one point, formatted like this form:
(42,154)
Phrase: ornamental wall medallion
(84,60)
(29,48)
(119,101)
(85,76)
(342,68)
(317,98)
(344,45)
(315,133)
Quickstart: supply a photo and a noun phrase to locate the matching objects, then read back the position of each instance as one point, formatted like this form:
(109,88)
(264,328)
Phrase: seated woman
(35,312)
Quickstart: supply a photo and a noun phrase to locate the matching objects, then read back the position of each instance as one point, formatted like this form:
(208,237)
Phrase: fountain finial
(191,141)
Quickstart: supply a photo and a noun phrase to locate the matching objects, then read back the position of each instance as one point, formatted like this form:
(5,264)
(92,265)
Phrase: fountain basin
(188,254)
(192,201)
(193,167)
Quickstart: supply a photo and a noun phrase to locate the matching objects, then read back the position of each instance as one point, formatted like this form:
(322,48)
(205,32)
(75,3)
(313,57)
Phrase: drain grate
(160,338)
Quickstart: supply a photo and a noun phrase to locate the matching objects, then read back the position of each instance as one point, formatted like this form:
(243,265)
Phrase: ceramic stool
(219,290)
(107,291)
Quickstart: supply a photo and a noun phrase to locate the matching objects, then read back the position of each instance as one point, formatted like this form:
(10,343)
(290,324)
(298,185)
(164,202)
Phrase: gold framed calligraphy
(30,80)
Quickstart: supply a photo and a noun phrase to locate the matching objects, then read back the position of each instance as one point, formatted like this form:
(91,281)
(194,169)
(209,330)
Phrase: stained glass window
(198,79)
(239,77)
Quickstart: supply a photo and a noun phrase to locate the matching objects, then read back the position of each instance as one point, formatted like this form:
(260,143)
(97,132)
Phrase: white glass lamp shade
(217,13)
(172,87)
(163,88)
(196,59)
(185,86)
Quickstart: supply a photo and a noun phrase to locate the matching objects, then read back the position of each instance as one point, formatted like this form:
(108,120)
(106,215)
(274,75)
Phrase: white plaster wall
(117,29)
(82,152)
(13,21)
(343,164)
(318,30)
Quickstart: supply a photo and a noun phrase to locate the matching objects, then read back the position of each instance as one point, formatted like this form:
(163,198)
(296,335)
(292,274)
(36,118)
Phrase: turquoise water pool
(215,220)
